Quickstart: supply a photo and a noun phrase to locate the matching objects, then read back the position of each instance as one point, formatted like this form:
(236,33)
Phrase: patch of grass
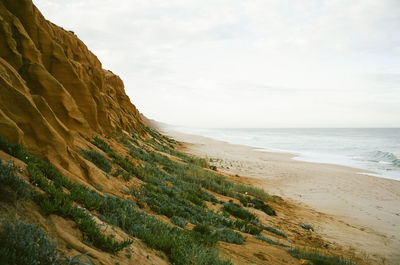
(212,181)
(203,234)
(317,258)
(126,176)
(193,171)
(166,200)
(245,227)
(179,221)
(100,143)
(25,244)
(181,246)
(257,204)
(239,212)
(274,231)
(16,150)
(11,186)
(230,236)
(117,172)
(98,159)
(57,201)
(270,241)
(253,191)
(172,188)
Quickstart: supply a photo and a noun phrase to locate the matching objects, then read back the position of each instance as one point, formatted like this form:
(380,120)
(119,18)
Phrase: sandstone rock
(52,88)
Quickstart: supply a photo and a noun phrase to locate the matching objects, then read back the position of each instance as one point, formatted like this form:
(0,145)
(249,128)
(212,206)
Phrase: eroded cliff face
(52,88)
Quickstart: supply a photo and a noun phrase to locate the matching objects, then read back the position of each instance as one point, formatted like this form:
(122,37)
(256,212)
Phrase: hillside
(78,159)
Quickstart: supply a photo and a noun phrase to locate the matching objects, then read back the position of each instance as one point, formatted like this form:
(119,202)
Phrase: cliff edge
(52,87)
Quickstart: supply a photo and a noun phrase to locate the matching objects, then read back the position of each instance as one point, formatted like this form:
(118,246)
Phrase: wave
(386,157)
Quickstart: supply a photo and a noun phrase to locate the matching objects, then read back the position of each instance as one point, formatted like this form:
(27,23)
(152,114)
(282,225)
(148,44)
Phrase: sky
(247,63)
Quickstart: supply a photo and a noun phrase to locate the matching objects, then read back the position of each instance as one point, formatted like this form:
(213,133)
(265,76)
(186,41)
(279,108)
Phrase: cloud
(247,63)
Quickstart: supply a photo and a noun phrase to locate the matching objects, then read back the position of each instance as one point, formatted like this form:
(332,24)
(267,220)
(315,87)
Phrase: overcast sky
(247,63)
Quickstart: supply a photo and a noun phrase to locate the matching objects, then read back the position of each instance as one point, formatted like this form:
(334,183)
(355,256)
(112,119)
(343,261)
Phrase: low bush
(181,246)
(274,231)
(55,200)
(270,241)
(100,143)
(98,159)
(205,235)
(230,236)
(317,258)
(245,227)
(170,201)
(117,172)
(25,244)
(193,171)
(256,203)
(179,221)
(11,186)
(16,150)
(239,212)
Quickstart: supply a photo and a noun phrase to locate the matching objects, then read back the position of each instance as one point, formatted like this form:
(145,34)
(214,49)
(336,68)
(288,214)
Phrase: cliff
(52,88)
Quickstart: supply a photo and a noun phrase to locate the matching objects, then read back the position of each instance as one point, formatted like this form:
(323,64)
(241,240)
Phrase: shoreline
(357,211)
(312,157)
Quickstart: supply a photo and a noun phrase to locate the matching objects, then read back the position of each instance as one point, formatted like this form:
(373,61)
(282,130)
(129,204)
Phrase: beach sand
(356,211)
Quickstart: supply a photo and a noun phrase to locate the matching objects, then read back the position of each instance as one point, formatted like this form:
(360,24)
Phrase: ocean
(374,149)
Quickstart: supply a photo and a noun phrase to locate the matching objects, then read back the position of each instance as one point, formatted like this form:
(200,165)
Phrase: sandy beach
(354,210)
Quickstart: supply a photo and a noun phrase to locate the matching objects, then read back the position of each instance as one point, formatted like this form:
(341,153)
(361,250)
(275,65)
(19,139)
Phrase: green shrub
(101,144)
(230,236)
(15,150)
(238,211)
(58,202)
(256,203)
(25,244)
(317,258)
(98,159)
(117,172)
(245,227)
(181,246)
(200,162)
(204,235)
(274,231)
(126,176)
(11,186)
(253,191)
(171,201)
(270,241)
(179,221)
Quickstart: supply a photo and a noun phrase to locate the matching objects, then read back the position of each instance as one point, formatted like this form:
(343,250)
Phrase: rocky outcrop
(52,88)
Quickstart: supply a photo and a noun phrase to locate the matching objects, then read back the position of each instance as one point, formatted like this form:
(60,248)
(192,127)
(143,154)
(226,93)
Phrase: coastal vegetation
(317,258)
(203,206)
(26,244)
(98,159)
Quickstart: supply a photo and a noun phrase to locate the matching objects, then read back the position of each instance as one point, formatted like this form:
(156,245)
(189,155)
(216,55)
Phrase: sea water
(376,149)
